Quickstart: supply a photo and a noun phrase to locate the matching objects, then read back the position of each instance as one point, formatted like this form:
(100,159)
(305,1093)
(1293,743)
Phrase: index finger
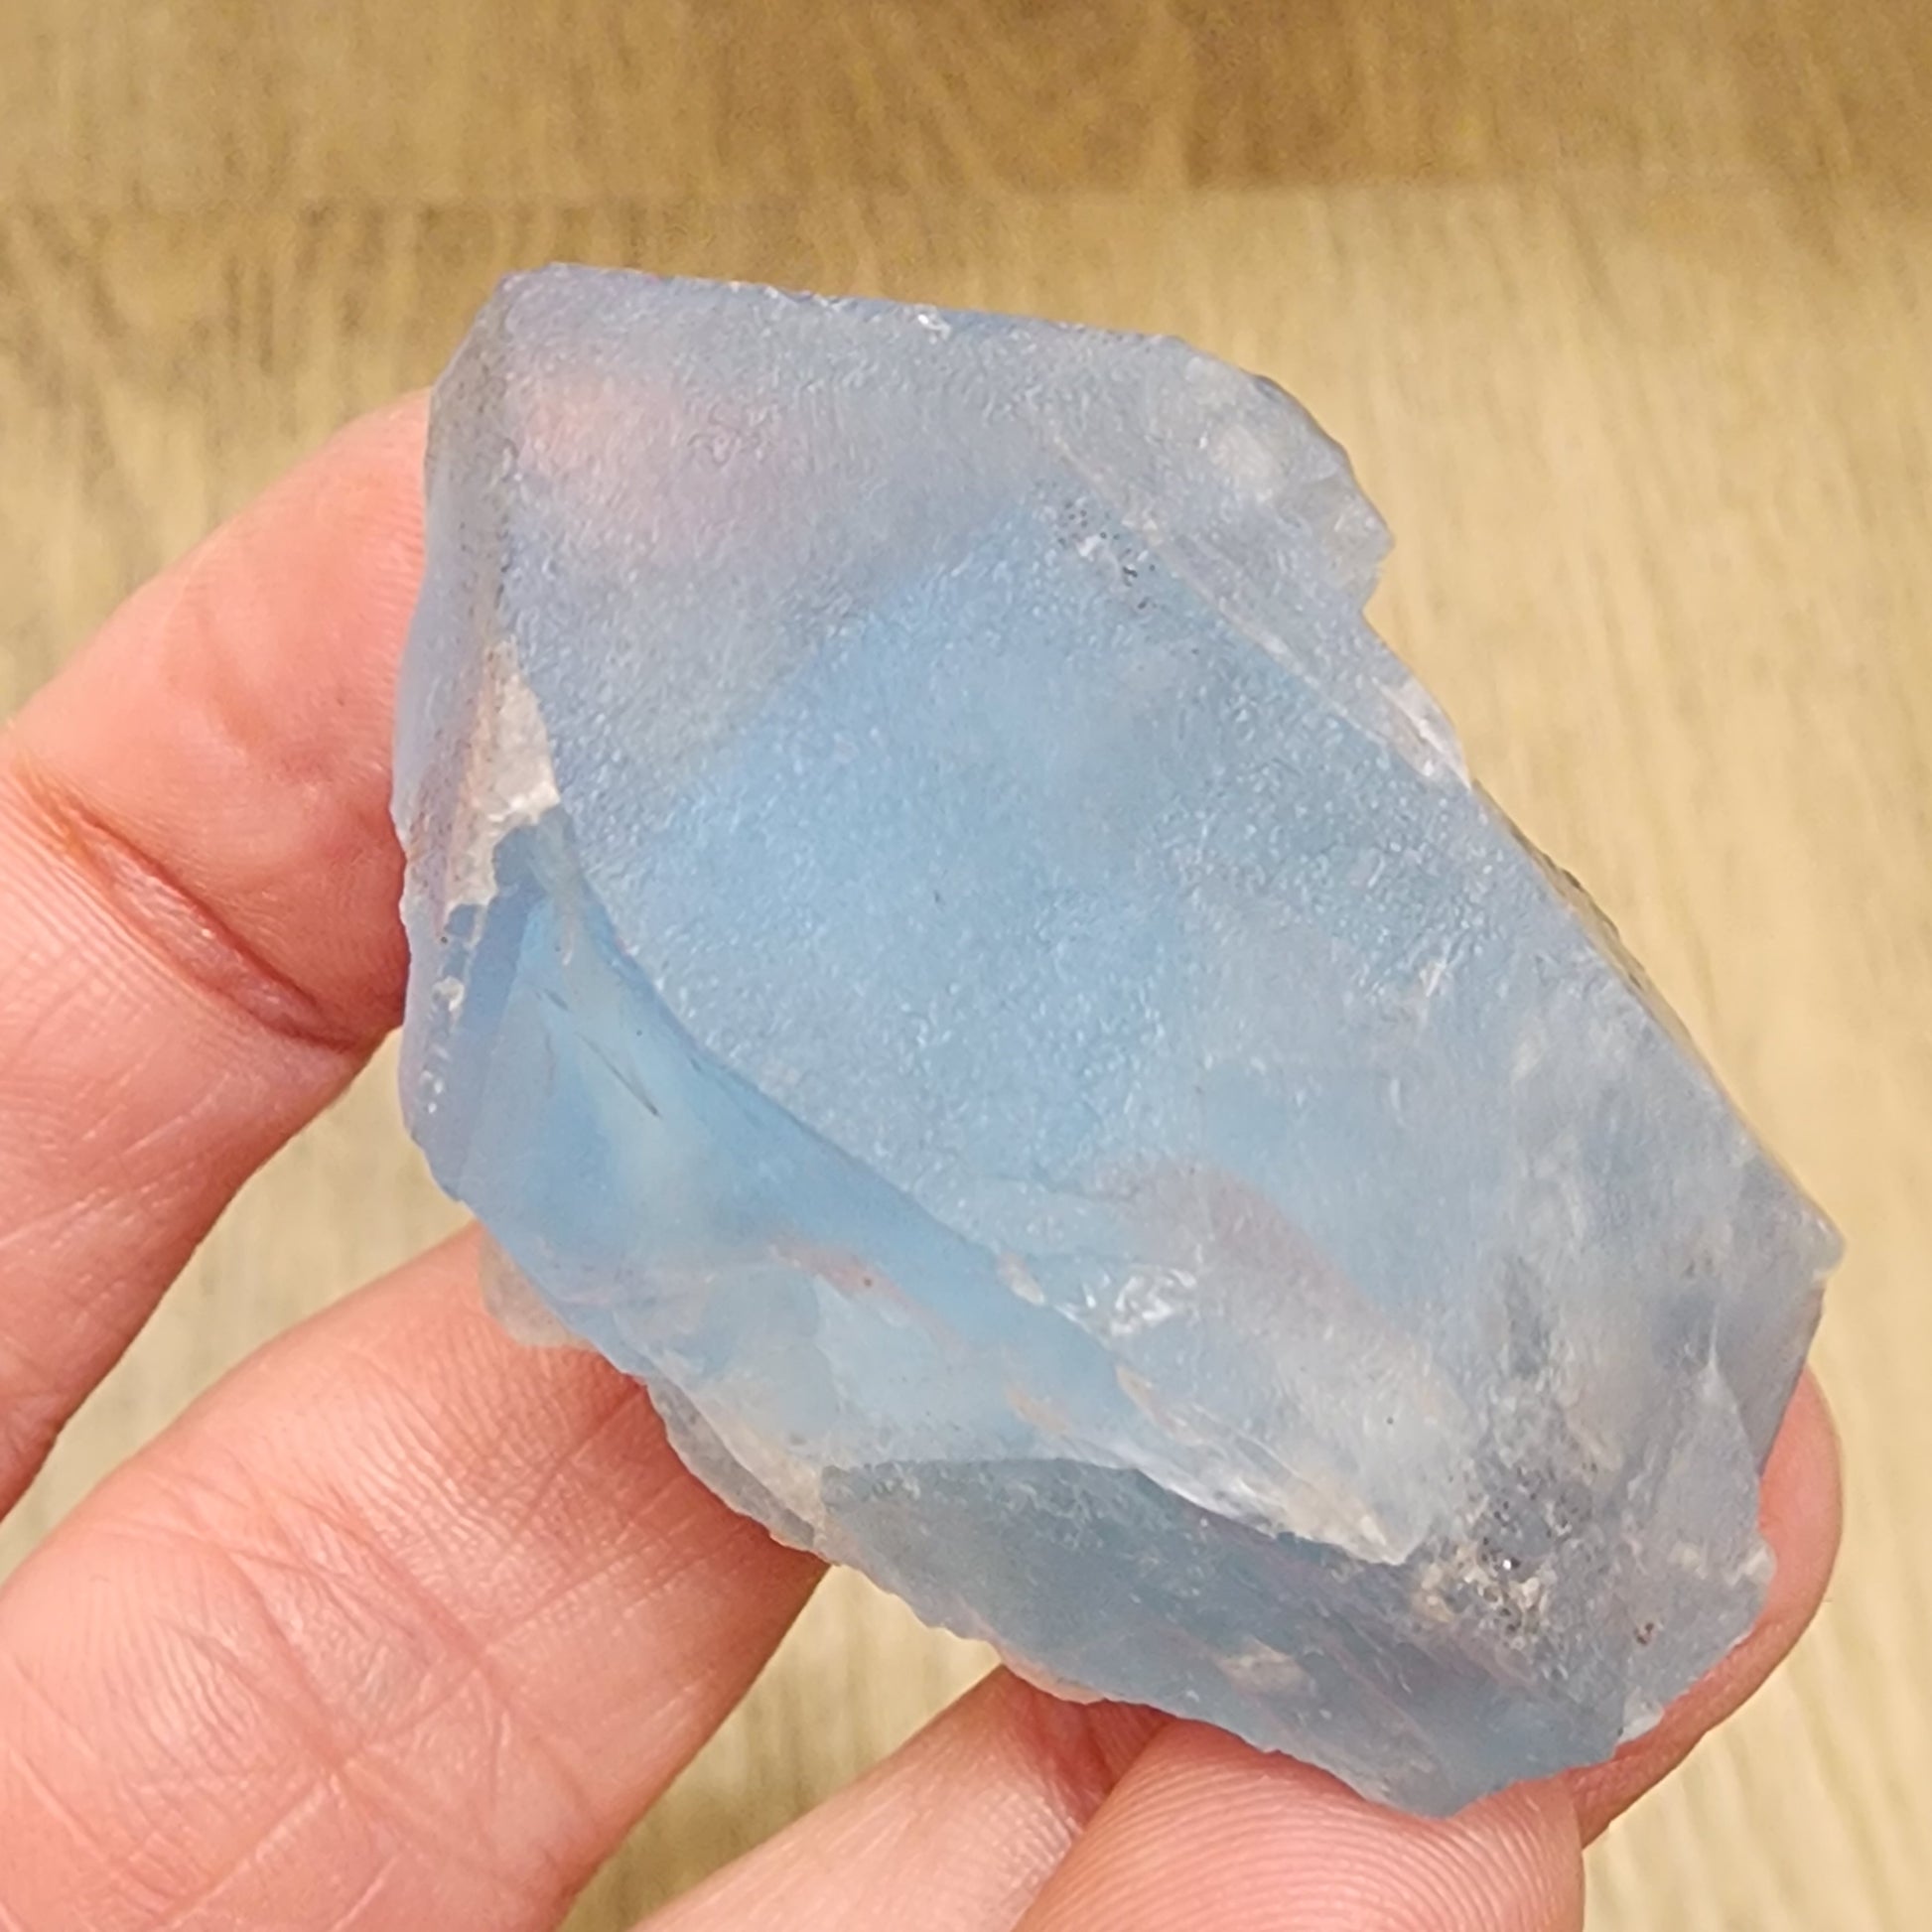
(199,938)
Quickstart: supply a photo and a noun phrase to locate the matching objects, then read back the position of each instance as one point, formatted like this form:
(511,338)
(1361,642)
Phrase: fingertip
(373,467)
(1800,1515)
(1205,1830)
(231,722)
(1801,1506)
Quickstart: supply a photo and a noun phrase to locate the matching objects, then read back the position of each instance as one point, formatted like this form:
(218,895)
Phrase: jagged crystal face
(943,943)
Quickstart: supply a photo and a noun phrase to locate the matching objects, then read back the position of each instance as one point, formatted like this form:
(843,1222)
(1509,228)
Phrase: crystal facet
(944,943)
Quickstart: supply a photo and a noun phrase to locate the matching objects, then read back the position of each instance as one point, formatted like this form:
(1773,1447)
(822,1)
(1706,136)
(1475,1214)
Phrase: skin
(403,1626)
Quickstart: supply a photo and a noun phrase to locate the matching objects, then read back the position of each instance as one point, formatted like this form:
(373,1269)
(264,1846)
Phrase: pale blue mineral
(944,945)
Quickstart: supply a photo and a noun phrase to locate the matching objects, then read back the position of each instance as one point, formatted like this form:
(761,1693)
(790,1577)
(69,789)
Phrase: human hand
(403,1624)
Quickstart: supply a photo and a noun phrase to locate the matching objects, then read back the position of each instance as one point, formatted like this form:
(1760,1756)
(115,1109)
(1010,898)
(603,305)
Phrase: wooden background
(1624,308)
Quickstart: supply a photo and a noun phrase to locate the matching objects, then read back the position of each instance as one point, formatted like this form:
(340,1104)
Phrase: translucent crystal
(944,945)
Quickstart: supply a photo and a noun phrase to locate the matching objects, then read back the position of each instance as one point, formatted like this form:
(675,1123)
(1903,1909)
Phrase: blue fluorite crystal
(944,945)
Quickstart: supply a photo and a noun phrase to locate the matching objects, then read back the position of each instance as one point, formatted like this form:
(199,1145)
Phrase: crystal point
(943,943)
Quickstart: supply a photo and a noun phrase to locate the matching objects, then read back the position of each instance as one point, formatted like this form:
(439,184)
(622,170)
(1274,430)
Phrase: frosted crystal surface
(944,943)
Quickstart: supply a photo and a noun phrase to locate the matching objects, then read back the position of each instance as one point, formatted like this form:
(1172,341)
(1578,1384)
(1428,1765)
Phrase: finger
(1800,1512)
(960,1828)
(1508,1863)
(955,1832)
(198,939)
(401,1626)
(1205,1832)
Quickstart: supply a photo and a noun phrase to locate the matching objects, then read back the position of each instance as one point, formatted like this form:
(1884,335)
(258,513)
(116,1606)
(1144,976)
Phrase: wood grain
(1624,311)
(116,105)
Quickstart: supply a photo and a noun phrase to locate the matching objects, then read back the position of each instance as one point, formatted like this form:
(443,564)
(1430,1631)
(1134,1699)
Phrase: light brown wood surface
(1625,312)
